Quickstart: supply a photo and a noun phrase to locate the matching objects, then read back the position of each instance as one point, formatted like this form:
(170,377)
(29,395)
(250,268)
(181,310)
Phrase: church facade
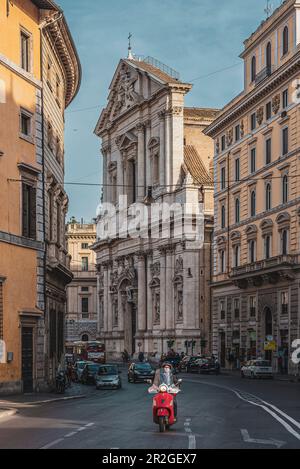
(153,286)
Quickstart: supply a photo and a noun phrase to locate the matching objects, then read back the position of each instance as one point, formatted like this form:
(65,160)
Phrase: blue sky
(196,37)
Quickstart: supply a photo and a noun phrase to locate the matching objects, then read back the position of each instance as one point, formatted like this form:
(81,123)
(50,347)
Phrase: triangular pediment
(126,140)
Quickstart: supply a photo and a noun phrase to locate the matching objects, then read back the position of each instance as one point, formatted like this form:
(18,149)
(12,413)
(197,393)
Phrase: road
(214,412)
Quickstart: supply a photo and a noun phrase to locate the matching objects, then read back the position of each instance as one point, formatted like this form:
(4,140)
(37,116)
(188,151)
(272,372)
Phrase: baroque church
(154,292)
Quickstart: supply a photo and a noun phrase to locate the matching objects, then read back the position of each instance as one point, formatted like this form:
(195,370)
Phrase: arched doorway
(268,330)
(85,338)
(128,311)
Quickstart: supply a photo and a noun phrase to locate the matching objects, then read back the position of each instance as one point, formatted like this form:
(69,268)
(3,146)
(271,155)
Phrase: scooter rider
(164,375)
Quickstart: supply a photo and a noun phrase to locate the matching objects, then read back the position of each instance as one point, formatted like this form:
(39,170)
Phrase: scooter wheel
(162,424)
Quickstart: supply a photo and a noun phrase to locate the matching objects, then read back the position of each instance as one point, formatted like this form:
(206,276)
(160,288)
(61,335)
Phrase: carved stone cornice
(175,111)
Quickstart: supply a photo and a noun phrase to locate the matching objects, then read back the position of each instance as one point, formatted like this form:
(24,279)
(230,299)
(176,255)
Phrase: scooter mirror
(180,381)
(149,381)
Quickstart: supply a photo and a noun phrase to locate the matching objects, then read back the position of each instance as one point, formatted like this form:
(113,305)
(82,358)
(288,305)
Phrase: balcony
(263,74)
(266,271)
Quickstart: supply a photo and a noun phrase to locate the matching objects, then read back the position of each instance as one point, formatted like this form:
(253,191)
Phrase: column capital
(139,127)
(162,115)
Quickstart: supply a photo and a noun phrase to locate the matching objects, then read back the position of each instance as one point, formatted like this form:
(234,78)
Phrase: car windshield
(93,368)
(108,370)
(263,363)
(143,367)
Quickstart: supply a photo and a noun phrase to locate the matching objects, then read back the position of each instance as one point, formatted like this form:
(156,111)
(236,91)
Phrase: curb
(8,413)
(59,399)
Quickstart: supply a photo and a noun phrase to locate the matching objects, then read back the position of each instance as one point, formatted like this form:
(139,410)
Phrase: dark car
(140,372)
(209,366)
(89,372)
(192,365)
(108,377)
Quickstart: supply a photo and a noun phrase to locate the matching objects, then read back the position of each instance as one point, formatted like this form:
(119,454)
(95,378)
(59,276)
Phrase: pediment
(127,140)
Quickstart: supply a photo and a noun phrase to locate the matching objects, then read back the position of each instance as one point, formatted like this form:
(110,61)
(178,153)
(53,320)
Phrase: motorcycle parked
(61,382)
(163,405)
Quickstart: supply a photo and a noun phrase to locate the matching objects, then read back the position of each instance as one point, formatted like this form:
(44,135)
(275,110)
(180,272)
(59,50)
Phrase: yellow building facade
(27,171)
(256,241)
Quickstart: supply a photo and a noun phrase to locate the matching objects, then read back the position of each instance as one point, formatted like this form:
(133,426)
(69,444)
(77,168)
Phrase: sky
(201,39)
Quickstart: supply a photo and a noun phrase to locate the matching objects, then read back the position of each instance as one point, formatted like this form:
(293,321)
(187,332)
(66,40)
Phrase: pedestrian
(141,357)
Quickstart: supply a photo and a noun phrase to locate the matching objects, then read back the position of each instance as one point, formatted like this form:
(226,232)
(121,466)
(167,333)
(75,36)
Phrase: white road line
(89,425)
(192,442)
(70,434)
(81,429)
(188,430)
(53,443)
(272,442)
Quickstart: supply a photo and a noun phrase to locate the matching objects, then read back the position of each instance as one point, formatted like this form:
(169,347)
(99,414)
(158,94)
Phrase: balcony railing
(291,260)
(263,74)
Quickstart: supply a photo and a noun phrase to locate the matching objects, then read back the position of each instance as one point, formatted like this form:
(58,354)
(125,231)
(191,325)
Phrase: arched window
(285,189)
(284,242)
(223,216)
(253,204)
(236,254)
(285,41)
(253,68)
(269,57)
(268,196)
(85,338)
(222,262)
(252,251)
(267,247)
(237,210)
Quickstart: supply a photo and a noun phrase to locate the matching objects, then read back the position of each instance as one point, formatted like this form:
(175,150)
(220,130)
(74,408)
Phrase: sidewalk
(277,376)
(9,405)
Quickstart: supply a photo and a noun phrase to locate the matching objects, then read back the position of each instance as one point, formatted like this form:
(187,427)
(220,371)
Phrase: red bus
(91,351)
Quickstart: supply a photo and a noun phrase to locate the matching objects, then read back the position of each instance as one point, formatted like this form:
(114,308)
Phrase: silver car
(108,377)
(257,369)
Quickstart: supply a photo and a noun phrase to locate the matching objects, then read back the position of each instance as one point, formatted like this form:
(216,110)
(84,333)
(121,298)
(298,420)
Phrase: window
(284,242)
(85,264)
(49,72)
(285,141)
(268,196)
(155,168)
(284,303)
(85,338)
(268,151)
(285,99)
(269,57)
(222,309)
(223,217)
(252,306)
(253,204)
(252,251)
(253,68)
(85,289)
(253,121)
(85,307)
(237,210)
(223,142)
(237,132)
(285,41)
(236,305)
(25,51)
(50,136)
(236,255)
(28,211)
(285,189)
(237,170)
(267,247)
(223,178)
(25,123)
(84,246)
(269,110)
(58,223)
(253,160)
(222,262)
(58,87)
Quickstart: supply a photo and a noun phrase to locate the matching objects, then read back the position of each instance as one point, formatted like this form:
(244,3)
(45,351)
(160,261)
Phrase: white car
(257,369)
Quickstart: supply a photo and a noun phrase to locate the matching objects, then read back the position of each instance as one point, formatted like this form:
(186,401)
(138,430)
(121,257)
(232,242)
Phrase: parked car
(192,365)
(78,369)
(89,372)
(257,369)
(140,372)
(108,376)
(183,362)
(208,366)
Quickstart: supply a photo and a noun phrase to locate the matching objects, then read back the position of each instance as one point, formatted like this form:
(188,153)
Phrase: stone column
(168,149)
(141,292)
(170,323)
(105,299)
(141,163)
(109,320)
(162,290)
(161,116)
(149,296)
(148,175)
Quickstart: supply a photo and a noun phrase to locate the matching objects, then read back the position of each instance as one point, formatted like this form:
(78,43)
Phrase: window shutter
(25,211)
(32,229)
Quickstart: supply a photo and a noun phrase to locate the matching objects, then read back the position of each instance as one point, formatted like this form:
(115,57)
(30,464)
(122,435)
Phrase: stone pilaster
(170,322)
(141,292)
(141,162)
(162,290)
(161,116)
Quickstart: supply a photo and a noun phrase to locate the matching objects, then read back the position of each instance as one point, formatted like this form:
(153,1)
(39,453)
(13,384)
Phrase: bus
(93,351)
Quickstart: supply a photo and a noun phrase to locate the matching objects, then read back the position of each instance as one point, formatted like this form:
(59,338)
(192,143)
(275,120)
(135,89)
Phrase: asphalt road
(213,412)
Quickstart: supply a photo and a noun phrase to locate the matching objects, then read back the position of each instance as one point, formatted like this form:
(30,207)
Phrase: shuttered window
(28,211)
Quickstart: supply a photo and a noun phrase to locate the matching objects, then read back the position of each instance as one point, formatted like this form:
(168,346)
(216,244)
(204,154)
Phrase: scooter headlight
(163,388)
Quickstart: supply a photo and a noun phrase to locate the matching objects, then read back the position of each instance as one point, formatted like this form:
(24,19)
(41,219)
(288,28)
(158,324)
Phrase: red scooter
(163,405)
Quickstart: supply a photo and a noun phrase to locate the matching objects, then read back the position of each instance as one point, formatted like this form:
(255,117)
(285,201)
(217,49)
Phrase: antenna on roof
(130,56)
(269,9)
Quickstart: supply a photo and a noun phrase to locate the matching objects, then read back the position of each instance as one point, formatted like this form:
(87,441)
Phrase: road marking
(53,443)
(188,431)
(89,425)
(192,442)
(70,434)
(272,442)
